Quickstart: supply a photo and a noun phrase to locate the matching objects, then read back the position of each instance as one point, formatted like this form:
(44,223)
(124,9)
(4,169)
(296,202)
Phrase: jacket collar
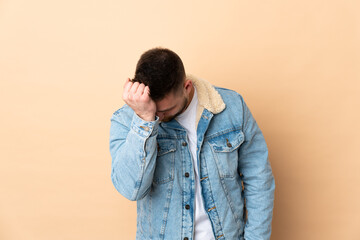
(208,97)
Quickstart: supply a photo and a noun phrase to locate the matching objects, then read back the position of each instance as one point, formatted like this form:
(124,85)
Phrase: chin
(168,119)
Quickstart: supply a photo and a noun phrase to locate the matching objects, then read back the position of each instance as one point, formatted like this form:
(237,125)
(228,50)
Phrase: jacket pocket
(165,161)
(224,148)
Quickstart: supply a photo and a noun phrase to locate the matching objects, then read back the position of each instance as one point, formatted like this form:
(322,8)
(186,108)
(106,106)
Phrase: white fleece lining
(208,97)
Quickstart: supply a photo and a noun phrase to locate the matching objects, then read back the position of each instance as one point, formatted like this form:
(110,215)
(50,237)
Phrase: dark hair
(162,70)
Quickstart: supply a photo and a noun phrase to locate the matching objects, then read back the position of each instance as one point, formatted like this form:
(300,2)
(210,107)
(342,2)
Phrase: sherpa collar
(208,97)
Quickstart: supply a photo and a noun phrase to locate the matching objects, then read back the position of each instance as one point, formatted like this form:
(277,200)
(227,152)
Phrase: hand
(136,95)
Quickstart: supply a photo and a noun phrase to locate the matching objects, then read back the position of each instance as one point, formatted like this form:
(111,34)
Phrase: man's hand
(136,95)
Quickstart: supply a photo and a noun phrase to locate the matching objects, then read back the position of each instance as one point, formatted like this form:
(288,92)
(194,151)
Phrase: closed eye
(166,109)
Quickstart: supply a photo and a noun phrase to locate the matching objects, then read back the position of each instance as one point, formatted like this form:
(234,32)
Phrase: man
(191,154)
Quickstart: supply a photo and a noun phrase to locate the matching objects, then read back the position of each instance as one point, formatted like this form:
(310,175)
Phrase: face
(174,104)
(171,106)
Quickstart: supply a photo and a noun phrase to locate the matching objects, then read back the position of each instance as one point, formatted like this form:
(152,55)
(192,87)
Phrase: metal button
(185,238)
(184,144)
(228,143)
(187,174)
(187,206)
(145,128)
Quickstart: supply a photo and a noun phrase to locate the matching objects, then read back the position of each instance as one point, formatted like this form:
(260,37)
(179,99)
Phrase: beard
(169,118)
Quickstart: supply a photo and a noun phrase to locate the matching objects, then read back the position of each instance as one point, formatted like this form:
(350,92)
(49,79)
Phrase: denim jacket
(152,164)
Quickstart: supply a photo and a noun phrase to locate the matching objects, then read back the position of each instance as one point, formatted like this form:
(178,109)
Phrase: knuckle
(143,97)
(143,100)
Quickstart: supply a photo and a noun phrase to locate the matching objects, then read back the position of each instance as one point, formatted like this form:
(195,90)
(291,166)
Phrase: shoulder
(229,96)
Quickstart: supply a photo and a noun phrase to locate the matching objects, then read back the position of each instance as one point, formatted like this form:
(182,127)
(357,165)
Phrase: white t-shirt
(203,229)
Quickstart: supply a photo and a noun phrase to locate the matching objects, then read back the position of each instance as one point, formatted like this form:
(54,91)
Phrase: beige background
(62,68)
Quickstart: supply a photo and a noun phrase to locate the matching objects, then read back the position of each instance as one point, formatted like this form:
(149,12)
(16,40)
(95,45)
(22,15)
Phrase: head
(163,71)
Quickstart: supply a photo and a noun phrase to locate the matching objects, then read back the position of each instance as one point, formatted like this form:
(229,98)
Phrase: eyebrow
(167,109)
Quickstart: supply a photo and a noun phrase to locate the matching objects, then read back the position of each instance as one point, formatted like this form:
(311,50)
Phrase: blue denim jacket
(151,164)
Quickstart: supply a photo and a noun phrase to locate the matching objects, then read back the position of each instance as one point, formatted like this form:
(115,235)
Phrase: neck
(191,95)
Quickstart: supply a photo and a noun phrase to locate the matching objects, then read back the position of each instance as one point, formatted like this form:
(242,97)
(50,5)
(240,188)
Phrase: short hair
(162,70)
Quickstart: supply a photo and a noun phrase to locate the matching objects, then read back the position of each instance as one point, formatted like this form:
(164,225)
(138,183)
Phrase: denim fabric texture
(151,164)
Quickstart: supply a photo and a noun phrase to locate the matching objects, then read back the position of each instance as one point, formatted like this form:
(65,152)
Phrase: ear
(188,86)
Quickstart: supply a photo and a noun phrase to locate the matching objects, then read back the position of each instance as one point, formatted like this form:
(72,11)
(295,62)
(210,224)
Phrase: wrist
(148,117)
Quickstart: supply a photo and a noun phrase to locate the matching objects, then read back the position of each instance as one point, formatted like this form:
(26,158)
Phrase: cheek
(172,113)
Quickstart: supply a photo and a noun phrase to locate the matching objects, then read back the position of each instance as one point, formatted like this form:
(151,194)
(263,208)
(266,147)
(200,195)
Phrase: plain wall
(62,69)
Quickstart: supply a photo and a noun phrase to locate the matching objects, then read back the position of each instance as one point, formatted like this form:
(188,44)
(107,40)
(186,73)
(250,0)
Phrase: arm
(259,182)
(133,148)
(133,151)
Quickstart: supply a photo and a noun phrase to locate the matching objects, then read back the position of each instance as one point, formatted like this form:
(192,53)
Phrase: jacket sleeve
(133,151)
(258,180)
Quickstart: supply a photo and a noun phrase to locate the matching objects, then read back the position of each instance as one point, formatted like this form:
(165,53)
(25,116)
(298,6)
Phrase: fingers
(137,96)
(146,95)
(127,85)
(135,90)
(139,92)
(146,91)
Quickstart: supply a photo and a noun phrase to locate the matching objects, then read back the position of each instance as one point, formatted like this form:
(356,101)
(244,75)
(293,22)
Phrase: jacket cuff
(144,128)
